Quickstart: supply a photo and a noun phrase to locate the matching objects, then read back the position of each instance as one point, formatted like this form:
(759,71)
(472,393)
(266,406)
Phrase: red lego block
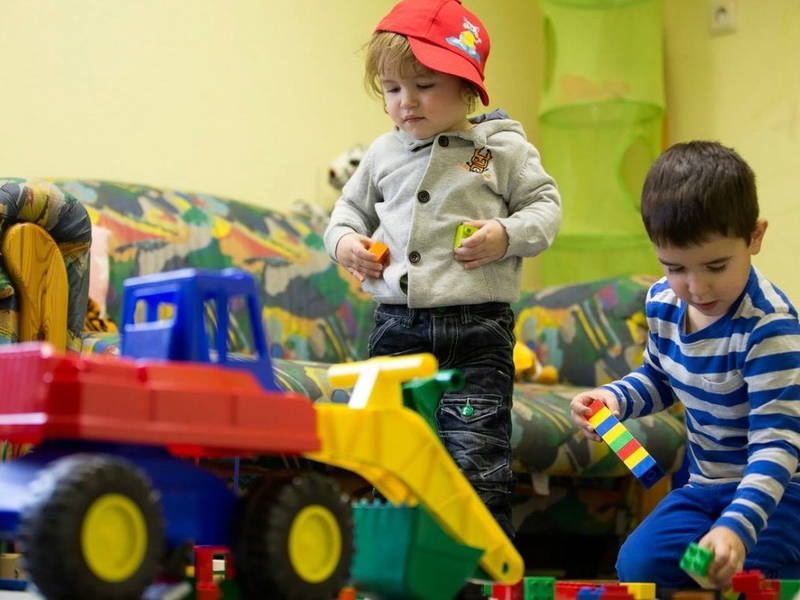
(205,587)
(628,449)
(615,591)
(502,591)
(568,590)
(347,593)
(595,407)
(748,582)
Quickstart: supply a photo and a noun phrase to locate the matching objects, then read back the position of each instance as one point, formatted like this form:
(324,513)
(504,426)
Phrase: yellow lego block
(638,455)
(641,591)
(600,416)
(613,433)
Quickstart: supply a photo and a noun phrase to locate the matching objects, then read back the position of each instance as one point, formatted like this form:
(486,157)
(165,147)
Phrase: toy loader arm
(394,448)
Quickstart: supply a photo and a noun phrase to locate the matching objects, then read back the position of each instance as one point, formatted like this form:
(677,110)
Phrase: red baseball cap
(444,36)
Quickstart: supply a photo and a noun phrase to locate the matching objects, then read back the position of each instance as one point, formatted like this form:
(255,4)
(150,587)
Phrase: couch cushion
(591,332)
(312,311)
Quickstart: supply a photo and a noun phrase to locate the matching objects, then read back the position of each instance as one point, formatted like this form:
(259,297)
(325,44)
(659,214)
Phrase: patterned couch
(315,315)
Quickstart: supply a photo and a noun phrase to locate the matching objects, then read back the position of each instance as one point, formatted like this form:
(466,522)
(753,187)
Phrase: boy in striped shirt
(725,342)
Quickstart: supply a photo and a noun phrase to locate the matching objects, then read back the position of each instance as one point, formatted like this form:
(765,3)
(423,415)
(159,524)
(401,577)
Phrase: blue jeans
(654,549)
(474,423)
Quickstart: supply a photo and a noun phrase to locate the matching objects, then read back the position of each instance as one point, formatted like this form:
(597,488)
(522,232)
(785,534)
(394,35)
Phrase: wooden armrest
(36,267)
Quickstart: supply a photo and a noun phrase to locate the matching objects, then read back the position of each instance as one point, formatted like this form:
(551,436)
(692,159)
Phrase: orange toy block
(380,251)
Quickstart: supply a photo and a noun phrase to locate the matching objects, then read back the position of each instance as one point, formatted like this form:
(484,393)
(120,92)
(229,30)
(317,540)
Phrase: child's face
(423,103)
(711,275)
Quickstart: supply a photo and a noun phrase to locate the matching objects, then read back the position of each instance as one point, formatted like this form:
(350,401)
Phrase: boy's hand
(486,245)
(579,407)
(729,552)
(353,254)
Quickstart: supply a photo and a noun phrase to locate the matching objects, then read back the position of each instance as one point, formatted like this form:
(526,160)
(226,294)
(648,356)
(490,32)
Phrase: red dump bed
(194,409)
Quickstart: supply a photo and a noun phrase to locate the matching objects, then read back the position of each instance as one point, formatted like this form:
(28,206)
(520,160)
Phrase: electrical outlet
(722,16)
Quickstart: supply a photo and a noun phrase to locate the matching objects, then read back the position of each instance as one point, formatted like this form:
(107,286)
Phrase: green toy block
(695,561)
(423,395)
(539,588)
(403,553)
(789,588)
(463,231)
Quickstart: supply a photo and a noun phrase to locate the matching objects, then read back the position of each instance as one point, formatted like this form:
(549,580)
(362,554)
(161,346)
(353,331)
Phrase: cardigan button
(423,196)
(414,257)
(444,141)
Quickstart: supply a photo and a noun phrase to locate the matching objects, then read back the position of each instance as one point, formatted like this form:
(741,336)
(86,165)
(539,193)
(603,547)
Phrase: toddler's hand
(486,245)
(579,408)
(353,254)
(729,552)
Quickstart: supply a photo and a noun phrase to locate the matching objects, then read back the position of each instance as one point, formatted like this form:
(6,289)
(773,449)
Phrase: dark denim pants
(474,423)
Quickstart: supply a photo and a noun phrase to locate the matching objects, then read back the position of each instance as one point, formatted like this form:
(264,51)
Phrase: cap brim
(439,59)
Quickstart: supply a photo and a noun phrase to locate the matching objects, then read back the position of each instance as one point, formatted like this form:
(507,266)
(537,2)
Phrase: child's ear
(758,236)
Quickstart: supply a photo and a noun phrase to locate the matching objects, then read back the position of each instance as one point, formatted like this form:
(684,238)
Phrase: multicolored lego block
(624,445)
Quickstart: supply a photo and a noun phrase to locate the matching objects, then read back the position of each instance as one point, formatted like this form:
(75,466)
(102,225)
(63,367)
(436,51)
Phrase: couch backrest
(312,309)
(592,332)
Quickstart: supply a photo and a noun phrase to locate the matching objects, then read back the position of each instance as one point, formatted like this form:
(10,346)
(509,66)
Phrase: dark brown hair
(697,189)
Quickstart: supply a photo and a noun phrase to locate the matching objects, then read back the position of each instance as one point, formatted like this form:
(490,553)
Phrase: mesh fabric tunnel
(601,121)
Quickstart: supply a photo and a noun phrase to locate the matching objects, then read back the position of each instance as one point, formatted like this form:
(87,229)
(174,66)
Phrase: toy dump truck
(108,497)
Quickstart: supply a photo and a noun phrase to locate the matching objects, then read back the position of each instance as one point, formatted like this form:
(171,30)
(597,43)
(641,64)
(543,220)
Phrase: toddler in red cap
(435,170)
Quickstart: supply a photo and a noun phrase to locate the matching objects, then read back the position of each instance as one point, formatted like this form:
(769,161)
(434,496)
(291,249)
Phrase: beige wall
(253,98)
(246,98)
(743,89)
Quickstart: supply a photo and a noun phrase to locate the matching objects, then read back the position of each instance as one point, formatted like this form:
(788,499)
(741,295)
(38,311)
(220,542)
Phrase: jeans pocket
(383,323)
(501,328)
(476,431)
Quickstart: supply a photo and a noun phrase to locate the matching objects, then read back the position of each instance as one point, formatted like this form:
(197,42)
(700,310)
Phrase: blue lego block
(605,425)
(591,593)
(648,472)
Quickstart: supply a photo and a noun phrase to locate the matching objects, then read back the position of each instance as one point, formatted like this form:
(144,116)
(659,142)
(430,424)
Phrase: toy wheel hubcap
(315,543)
(113,537)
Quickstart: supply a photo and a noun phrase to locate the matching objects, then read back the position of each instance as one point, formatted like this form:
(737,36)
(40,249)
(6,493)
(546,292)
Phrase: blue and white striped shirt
(739,381)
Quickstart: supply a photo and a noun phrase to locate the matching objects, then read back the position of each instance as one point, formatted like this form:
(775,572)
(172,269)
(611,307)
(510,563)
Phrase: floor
(4,595)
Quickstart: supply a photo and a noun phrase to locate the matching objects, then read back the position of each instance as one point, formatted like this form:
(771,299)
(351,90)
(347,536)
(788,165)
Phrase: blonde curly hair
(388,51)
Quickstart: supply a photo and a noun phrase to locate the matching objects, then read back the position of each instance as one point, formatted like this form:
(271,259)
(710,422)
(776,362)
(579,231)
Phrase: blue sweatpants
(653,551)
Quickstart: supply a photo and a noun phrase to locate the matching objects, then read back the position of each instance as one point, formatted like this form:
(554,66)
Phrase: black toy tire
(51,527)
(264,567)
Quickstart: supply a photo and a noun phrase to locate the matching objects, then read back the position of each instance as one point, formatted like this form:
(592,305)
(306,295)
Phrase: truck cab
(198,316)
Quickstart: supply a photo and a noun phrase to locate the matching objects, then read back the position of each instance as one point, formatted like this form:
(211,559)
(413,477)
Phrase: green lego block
(463,231)
(403,553)
(538,588)
(622,439)
(789,588)
(695,561)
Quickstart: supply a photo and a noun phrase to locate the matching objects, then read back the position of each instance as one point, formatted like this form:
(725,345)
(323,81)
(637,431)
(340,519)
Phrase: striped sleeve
(772,374)
(646,390)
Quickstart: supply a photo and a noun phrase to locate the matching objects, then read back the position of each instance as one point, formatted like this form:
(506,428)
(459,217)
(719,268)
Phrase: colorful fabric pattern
(312,312)
(592,333)
(65,219)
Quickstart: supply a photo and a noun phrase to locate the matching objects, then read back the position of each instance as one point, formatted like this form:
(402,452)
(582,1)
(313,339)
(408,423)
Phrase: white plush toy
(344,165)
